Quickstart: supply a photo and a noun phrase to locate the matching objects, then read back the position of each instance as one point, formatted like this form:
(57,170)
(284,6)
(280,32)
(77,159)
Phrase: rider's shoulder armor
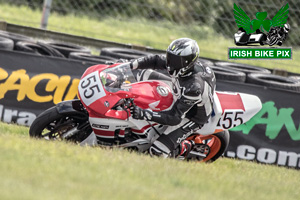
(194,90)
(204,72)
(194,84)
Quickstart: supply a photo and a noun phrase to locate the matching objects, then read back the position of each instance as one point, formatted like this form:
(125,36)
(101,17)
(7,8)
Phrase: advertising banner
(273,135)
(30,84)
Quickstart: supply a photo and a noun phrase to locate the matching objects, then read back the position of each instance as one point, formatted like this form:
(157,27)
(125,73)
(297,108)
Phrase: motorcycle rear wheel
(217,143)
(51,125)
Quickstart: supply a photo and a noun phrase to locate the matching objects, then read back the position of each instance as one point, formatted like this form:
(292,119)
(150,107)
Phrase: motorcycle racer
(193,87)
(280,33)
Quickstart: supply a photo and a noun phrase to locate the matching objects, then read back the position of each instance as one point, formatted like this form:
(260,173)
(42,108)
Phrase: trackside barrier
(29,84)
(85,41)
(272,136)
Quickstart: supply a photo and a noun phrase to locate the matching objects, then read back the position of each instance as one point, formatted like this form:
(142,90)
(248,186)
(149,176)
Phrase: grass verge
(37,169)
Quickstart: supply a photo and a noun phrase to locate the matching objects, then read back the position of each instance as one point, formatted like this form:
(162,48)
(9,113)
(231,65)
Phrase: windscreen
(117,78)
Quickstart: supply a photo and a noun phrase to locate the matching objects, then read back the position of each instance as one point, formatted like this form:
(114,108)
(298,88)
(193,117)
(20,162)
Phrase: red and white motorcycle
(102,115)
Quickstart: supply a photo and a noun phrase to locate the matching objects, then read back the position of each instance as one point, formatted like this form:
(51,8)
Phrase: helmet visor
(175,62)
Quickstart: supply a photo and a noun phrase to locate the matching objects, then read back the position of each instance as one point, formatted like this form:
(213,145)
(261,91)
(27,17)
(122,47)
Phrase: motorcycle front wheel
(51,125)
(273,40)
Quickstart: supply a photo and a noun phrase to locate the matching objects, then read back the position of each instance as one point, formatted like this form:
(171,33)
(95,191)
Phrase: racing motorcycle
(101,116)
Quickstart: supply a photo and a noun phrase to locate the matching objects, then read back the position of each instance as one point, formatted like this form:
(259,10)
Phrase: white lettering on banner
(265,155)
(246,152)
(16,116)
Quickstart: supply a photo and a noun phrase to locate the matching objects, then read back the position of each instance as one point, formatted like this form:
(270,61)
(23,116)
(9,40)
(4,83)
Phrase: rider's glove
(133,64)
(139,113)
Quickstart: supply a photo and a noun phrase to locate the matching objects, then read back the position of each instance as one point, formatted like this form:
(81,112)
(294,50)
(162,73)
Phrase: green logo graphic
(261,31)
(260,23)
(274,120)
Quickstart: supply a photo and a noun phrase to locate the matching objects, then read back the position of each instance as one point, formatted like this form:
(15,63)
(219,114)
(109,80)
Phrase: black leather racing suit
(193,98)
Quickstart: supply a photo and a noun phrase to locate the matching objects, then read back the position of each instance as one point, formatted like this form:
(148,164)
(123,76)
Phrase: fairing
(102,87)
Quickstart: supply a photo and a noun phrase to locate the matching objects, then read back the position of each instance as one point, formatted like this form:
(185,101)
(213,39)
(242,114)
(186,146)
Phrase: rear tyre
(217,144)
(51,125)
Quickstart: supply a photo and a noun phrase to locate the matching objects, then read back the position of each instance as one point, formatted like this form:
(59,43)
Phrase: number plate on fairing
(231,119)
(90,88)
(233,110)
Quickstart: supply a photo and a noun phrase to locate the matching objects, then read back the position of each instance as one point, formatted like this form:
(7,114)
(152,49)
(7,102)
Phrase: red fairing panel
(95,98)
(154,95)
(231,101)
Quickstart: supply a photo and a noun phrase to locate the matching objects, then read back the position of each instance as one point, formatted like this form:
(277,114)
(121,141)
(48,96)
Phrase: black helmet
(181,56)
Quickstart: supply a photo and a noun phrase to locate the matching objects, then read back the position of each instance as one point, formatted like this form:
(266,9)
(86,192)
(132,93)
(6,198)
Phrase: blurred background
(156,23)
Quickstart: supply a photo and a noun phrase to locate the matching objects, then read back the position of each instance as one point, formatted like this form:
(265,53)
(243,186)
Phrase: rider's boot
(181,152)
(185,148)
(159,149)
(174,143)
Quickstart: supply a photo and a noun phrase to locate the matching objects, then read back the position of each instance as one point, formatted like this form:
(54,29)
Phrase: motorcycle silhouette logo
(261,30)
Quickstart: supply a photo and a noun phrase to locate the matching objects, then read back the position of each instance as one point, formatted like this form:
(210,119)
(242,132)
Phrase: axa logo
(261,30)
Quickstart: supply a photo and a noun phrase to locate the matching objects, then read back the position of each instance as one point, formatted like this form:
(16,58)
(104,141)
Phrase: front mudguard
(72,107)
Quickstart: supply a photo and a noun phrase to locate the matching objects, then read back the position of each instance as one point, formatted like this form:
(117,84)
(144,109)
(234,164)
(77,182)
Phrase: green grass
(135,32)
(37,169)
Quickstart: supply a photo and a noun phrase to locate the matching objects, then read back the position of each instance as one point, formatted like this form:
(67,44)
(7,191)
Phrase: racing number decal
(90,88)
(231,119)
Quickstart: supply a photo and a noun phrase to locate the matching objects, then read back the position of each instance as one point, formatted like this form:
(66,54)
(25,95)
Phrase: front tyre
(51,125)
(273,40)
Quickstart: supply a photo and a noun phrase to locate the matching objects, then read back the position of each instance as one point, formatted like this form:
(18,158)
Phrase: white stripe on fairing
(153,105)
(101,136)
(112,123)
